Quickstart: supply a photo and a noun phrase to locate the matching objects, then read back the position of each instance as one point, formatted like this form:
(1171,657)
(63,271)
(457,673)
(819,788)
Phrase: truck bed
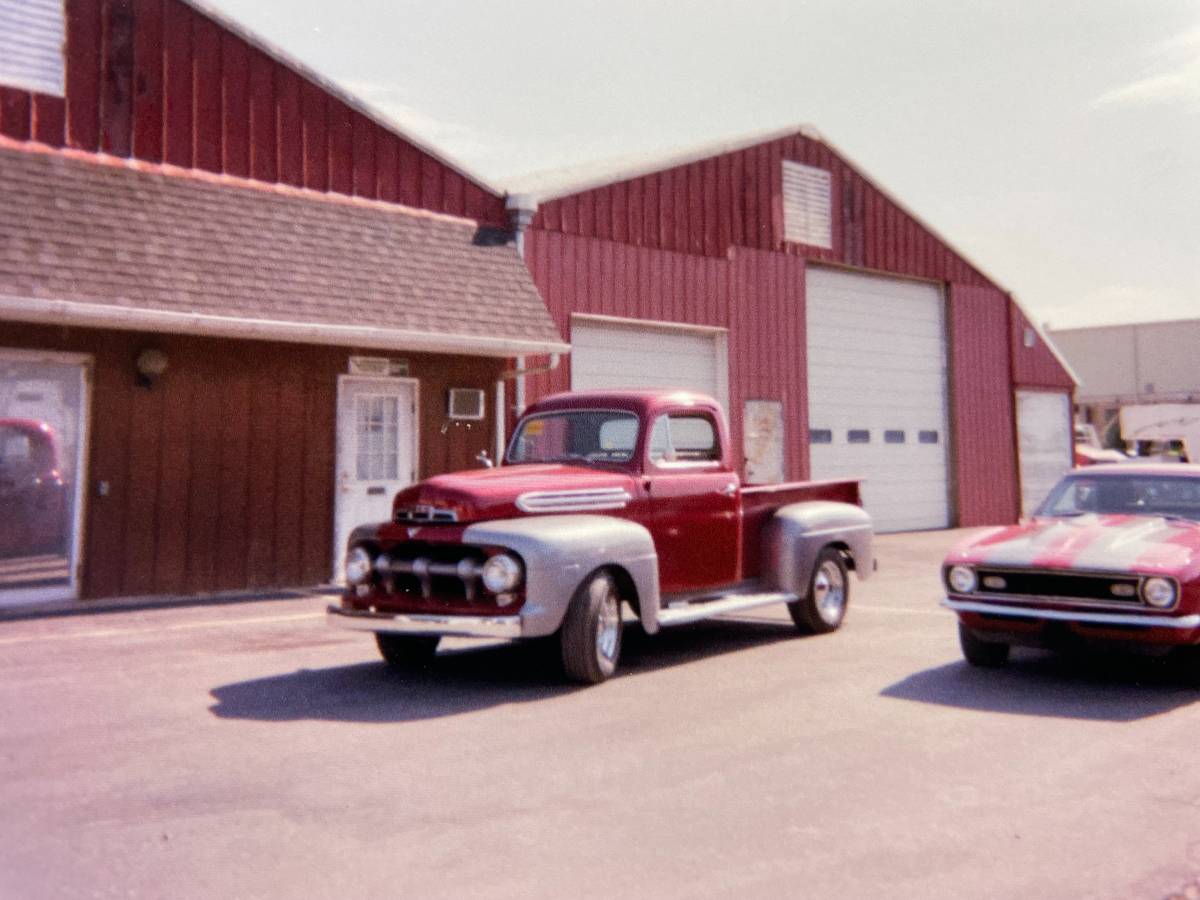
(761,500)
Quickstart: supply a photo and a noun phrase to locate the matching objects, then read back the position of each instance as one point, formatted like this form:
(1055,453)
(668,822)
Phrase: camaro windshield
(578,435)
(1144,495)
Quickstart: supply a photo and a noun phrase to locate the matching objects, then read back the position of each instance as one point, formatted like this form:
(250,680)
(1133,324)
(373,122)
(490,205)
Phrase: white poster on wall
(763,441)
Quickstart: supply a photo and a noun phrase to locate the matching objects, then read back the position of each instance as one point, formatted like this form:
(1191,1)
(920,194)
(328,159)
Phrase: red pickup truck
(605,500)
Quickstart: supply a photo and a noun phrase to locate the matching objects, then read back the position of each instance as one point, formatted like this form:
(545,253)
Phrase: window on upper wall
(32,33)
(807,205)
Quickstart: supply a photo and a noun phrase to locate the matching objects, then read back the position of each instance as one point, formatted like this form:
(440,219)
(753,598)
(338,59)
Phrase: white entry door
(43,447)
(376,452)
(1045,441)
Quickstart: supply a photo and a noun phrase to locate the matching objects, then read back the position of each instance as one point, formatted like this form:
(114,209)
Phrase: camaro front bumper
(425,623)
(1084,617)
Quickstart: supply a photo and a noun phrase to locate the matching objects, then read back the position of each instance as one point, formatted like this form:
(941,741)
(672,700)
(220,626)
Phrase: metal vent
(31,45)
(807,205)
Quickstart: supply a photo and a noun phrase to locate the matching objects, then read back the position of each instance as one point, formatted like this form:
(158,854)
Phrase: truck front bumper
(425,623)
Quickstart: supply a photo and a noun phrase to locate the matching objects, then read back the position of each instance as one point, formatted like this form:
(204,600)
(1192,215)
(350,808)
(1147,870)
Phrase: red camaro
(1111,557)
(33,497)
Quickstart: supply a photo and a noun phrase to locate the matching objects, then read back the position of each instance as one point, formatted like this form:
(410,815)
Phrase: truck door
(694,503)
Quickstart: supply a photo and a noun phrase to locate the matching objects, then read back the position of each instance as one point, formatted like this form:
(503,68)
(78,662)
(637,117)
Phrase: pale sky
(1055,143)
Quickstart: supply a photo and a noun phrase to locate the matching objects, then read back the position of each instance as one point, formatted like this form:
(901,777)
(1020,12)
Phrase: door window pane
(40,427)
(378,428)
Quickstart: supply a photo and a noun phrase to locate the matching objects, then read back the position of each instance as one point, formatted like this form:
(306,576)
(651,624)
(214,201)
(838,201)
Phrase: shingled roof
(115,244)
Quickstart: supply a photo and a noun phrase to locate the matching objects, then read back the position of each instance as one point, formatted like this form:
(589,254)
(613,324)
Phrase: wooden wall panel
(1034,364)
(982,418)
(235,106)
(116,95)
(220,476)
(177,82)
(735,200)
(84,41)
(148,62)
(159,81)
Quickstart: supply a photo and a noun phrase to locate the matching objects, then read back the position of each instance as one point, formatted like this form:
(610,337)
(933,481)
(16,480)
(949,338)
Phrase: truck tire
(407,652)
(590,637)
(824,607)
(979,653)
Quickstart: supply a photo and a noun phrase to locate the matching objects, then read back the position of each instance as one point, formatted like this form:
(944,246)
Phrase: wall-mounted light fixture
(151,365)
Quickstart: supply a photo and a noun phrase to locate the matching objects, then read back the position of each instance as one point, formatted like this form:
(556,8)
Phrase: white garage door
(606,354)
(1044,437)
(877,393)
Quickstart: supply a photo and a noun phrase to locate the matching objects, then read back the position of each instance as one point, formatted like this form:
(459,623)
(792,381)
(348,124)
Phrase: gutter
(95,315)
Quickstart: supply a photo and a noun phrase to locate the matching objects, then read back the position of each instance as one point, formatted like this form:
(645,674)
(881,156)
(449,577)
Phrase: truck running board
(695,611)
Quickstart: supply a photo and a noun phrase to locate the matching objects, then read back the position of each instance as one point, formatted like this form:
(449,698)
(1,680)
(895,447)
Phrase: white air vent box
(465,403)
(807,205)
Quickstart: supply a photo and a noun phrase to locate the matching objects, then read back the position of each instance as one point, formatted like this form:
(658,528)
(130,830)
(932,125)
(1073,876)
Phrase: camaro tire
(824,608)
(590,637)
(406,652)
(984,654)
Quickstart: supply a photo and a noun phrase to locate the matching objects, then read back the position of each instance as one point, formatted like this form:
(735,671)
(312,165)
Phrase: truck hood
(1098,543)
(511,491)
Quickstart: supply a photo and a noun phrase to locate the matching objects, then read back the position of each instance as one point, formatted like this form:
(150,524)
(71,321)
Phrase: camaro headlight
(501,573)
(358,565)
(1158,592)
(962,579)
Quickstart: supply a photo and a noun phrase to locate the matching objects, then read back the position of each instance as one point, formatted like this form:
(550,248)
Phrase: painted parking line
(160,629)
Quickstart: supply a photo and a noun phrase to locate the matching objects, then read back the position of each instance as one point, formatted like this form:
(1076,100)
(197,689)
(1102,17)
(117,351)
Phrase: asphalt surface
(249,750)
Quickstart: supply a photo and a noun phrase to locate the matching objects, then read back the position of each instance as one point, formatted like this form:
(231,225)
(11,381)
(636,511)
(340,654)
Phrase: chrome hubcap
(829,592)
(608,622)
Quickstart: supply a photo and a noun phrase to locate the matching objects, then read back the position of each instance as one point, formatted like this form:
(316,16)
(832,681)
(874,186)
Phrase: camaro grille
(1122,589)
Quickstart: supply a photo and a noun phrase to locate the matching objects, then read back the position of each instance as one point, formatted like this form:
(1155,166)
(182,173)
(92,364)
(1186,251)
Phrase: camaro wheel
(406,652)
(824,608)
(590,637)
(985,654)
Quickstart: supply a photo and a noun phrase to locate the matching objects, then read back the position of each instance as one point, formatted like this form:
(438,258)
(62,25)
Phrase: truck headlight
(358,566)
(961,579)
(1158,592)
(501,573)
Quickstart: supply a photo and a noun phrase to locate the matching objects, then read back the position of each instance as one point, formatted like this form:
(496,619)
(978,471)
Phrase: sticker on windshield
(534,428)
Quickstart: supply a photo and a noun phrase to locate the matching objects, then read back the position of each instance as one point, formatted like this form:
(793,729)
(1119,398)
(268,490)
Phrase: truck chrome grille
(424,514)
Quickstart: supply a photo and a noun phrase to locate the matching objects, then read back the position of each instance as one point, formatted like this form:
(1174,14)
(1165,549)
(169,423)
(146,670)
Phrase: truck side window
(660,441)
(684,438)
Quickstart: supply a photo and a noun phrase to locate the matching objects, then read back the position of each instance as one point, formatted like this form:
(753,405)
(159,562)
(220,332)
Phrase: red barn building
(243,308)
(846,337)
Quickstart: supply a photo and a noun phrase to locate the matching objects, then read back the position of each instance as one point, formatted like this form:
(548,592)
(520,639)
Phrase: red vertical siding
(116,97)
(148,56)
(159,81)
(982,422)
(1036,365)
(736,200)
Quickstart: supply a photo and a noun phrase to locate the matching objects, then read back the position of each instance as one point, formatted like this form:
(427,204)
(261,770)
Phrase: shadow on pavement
(1099,687)
(464,680)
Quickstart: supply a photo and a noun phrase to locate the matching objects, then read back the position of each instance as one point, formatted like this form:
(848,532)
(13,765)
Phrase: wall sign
(762,440)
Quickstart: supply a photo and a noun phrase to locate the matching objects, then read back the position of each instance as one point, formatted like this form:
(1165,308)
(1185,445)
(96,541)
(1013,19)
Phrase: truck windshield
(1145,495)
(578,435)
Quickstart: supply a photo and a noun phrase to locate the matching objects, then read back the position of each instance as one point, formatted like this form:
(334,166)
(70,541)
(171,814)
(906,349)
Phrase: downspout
(521,210)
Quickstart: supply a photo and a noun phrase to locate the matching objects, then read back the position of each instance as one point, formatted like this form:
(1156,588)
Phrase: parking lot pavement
(248,750)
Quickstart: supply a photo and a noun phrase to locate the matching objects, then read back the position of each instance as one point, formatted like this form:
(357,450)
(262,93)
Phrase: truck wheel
(824,608)
(590,637)
(407,652)
(984,654)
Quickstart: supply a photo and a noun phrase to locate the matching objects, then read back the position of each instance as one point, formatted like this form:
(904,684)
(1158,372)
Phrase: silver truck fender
(796,533)
(560,551)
